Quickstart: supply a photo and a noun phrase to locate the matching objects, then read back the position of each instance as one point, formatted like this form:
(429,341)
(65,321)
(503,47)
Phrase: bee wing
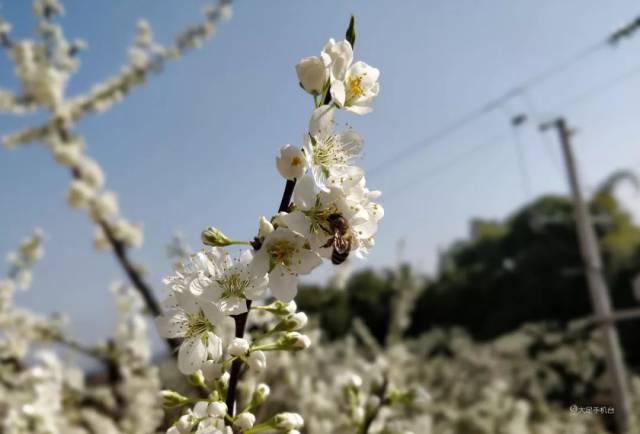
(341,245)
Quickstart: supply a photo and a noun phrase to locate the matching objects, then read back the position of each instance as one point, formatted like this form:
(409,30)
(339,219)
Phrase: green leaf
(351,31)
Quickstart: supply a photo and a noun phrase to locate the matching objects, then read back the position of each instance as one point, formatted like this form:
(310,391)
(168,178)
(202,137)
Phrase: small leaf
(351,31)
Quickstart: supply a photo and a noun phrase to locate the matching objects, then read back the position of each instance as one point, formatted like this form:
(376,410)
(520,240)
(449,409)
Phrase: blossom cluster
(327,212)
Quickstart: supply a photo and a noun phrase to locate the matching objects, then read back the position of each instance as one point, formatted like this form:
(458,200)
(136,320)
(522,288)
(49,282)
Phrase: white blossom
(285,255)
(233,282)
(291,162)
(330,155)
(186,316)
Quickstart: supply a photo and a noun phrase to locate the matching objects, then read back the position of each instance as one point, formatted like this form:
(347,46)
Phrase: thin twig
(138,282)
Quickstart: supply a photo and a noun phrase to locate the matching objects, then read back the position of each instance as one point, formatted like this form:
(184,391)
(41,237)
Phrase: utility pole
(595,279)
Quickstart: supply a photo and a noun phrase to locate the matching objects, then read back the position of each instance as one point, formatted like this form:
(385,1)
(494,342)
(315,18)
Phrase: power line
(423,176)
(612,40)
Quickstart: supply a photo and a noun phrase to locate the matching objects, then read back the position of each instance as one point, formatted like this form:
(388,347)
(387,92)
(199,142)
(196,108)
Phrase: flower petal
(173,324)
(192,355)
(284,285)
(323,120)
(338,93)
(304,195)
(305,261)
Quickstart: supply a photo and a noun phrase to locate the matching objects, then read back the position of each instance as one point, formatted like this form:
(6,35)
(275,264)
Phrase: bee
(340,239)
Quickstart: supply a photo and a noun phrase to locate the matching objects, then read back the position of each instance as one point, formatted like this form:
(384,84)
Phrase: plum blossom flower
(231,282)
(353,86)
(285,255)
(358,89)
(291,163)
(312,213)
(330,155)
(195,320)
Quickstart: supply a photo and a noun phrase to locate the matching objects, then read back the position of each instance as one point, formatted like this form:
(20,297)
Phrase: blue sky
(196,145)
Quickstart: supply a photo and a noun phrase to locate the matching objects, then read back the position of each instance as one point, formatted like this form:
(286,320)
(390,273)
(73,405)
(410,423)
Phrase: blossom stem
(241,320)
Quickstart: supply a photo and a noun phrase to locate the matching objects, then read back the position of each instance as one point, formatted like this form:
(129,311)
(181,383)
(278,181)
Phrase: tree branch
(241,320)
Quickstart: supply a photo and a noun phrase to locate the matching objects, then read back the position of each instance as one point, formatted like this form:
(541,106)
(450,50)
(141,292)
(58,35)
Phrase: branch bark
(241,320)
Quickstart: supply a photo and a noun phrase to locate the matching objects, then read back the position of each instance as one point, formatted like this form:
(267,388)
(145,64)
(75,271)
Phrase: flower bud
(351,380)
(261,394)
(104,206)
(292,322)
(291,163)
(224,379)
(130,234)
(184,424)
(257,361)
(288,421)
(215,238)
(200,409)
(217,409)
(100,240)
(197,378)
(244,421)
(294,341)
(66,154)
(265,227)
(238,347)
(90,172)
(281,308)
(211,370)
(313,73)
(172,399)
(79,194)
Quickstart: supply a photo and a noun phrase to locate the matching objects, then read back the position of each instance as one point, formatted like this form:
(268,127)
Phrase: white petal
(297,222)
(284,285)
(322,121)
(172,325)
(304,195)
(305,261)
(359,109)
(257,287)
(233,306)
(192,355)
(260,263)
(188,302)
(338,93)
(214,345)
(212,313)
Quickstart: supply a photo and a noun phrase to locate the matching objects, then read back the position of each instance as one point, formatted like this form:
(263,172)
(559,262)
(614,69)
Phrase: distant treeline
(524,269)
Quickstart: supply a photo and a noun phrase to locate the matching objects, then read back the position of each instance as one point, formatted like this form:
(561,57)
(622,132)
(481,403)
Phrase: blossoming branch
(326,213)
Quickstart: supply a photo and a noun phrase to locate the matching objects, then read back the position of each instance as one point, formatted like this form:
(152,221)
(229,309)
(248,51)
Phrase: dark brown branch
(241,320)
(234,374)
